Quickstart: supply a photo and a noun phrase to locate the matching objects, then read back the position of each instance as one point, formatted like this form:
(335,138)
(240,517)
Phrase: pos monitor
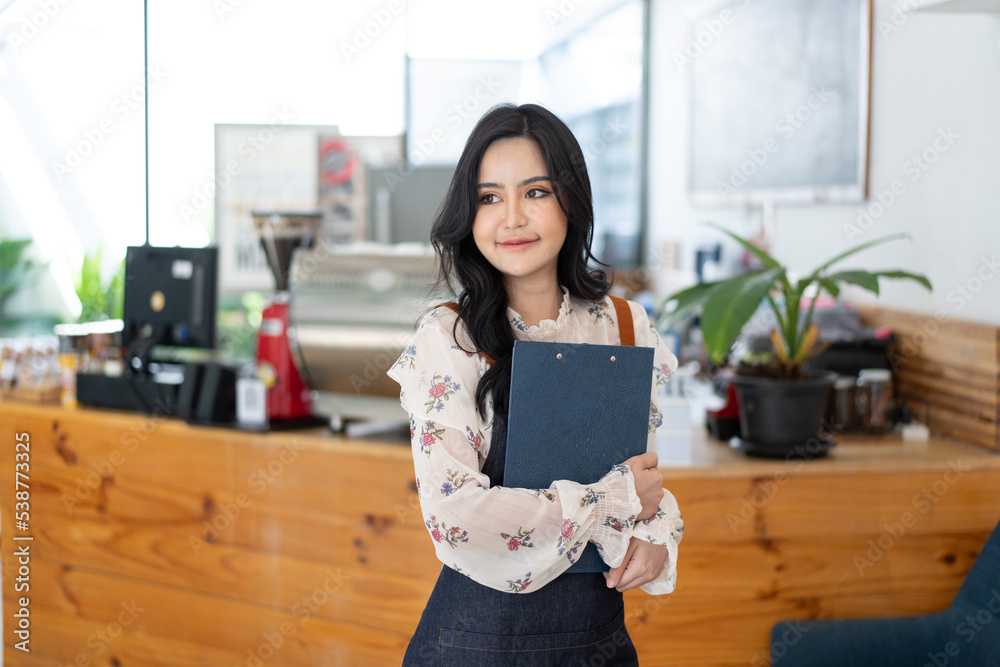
(170,299)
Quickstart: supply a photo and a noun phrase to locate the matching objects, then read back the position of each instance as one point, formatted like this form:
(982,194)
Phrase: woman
(513,237)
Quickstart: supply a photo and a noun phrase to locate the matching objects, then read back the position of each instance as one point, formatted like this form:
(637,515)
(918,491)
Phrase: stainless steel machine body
(353,311)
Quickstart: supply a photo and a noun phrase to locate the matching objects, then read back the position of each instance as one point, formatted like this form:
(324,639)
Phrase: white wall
(936,71)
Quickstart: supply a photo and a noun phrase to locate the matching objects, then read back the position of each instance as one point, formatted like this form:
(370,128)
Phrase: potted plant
(99,300)
(781,403)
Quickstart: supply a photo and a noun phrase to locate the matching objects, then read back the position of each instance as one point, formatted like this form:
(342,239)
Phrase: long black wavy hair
(482,297)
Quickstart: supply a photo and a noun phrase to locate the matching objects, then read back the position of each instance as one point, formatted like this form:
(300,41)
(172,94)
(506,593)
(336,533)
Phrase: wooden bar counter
(157,543)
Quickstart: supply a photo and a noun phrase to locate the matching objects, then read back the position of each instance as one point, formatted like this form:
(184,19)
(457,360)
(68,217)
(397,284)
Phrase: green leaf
(863,246)
(863,279)
(686,301)
(99,300)
(869,279)
(830,286)
(920,278)
(800,332)
(779,316)
(730,305)
(766,260)
(116,293)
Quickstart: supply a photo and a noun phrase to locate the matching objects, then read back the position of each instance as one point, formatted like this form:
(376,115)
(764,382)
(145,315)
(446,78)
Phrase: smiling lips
(517,243)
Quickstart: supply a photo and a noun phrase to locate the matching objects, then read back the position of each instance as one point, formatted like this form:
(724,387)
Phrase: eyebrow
(527,181)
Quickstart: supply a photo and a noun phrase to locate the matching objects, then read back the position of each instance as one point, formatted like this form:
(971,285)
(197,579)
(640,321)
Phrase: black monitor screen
(174,292)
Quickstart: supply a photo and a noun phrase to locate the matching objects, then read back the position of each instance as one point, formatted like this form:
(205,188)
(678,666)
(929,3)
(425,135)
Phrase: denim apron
(573,620)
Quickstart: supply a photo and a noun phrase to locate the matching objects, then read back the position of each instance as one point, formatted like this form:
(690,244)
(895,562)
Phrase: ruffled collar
(565,310)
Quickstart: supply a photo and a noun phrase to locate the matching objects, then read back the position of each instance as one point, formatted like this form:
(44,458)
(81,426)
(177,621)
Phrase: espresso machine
(354,310)
(279,364)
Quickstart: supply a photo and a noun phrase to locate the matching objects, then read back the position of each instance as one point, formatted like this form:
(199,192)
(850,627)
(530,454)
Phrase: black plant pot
(781,418)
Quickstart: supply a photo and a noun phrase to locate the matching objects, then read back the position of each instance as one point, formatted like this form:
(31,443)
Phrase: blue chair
(967,634)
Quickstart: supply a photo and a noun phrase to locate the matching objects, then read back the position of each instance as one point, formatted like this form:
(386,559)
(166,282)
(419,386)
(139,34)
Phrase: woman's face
(519,225)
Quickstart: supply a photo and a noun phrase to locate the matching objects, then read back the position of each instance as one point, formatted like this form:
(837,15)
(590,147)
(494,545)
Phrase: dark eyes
(533,193)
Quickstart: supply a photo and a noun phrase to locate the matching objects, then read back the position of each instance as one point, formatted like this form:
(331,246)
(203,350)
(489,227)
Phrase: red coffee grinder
(278,360)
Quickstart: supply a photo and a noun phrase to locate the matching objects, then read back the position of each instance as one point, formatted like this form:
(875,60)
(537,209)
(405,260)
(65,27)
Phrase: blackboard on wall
(780,94)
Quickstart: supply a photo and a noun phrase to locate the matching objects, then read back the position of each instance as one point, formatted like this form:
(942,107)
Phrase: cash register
(170,300)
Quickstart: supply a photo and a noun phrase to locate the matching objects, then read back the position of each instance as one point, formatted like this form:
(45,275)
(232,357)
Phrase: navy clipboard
(575,411)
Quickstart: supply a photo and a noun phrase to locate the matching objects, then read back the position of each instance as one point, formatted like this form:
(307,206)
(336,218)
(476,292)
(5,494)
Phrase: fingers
(653,477)
(631,578)
(645,564)
(638,572)
(642,462)
(649,488)
(649,460)
(615,574)
(633,567)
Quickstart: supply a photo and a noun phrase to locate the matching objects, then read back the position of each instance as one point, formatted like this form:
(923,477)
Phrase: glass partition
(414,74)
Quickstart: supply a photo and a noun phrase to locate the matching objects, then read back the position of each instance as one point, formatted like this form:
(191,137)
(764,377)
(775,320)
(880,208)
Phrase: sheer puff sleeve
(509,539)
(666,526)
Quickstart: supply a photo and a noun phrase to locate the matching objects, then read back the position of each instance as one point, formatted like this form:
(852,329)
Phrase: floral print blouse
(514,539)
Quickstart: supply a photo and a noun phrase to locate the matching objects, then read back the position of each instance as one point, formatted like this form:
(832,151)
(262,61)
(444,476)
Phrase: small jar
(874,399)
(69,364)
(842,411)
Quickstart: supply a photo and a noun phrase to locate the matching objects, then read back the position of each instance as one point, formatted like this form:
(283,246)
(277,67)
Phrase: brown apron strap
(454,306)
(626,328)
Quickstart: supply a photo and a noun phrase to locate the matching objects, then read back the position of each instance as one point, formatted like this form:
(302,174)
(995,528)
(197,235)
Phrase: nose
(515,213)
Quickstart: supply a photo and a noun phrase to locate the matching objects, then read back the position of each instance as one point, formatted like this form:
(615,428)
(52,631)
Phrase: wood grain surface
(947,370)
(157,543)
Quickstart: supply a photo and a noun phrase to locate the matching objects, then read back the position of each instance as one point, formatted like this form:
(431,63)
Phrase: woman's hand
(643,562)
(648,483)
